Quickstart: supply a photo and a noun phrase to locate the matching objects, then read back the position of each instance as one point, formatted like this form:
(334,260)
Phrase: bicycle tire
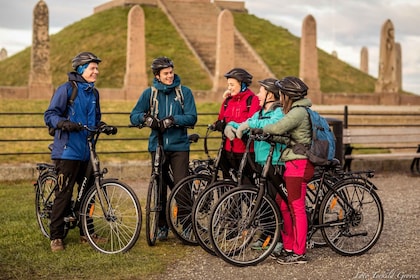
(119,224)
(201,210)
(230,236)
(315,238)
(179,206)
(152,210)
(44,200)
(353,230)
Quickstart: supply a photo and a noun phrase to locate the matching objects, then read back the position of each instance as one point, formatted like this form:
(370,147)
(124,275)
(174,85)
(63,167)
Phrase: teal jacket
(175,138)
(259,120)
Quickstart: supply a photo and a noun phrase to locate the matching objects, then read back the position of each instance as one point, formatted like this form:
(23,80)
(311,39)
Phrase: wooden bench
(393,142)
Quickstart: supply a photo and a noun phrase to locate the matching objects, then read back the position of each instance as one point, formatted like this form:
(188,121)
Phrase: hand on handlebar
(69,126)
(166,123)
(151,122)
(107,129)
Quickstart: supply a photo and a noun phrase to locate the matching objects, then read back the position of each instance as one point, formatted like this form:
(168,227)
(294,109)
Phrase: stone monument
(40,80)
(398,65)
(225,47)
(387,77)
(3,54)
(135,75)
(308,70)
(364,60)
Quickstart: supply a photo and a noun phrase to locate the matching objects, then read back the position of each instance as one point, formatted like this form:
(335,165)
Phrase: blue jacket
(175,138)
(85,110)
(262,148)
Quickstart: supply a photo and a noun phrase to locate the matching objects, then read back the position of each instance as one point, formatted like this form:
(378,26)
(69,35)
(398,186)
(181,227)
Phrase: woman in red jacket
(240,104)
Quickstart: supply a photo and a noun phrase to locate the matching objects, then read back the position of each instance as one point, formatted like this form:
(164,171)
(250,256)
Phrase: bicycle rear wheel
(44,200)
(152,210)
(114,226)
(201,211)
(354,217)
(232,233)
(179,206)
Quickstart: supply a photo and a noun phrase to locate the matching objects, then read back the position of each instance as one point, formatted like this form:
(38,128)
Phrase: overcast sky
(344,26)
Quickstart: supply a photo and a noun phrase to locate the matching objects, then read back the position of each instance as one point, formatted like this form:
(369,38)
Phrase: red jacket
(237,110)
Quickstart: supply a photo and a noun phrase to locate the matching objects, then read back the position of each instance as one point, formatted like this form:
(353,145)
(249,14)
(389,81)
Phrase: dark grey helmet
(240,74)
(160,63)
(293,87)
(83,58)
(270,85)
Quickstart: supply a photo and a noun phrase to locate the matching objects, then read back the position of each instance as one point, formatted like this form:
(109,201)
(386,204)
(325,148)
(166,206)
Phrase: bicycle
(154,203)
(207,198)
(108,208)
(187,190)
(349,215)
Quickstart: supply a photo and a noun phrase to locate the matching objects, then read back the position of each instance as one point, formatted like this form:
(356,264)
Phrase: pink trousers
(296,176)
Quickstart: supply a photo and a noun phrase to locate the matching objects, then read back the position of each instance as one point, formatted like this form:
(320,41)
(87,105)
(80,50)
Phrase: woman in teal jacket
(271,112)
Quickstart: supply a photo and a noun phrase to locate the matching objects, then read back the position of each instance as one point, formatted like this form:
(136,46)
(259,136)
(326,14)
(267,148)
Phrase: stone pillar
(135,79)
(3,54)
(225,48)
(387,77)
(398,63)
(308,68)
(40,80)
(364,60)
(334,54)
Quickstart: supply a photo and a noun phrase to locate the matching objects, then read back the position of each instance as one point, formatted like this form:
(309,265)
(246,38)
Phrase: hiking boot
(280,254)
(257,245)
(96,238)
(162,233)
(293,259)
(57,245)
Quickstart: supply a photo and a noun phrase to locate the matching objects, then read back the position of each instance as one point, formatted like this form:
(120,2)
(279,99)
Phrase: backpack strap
(248,102)
(154,103)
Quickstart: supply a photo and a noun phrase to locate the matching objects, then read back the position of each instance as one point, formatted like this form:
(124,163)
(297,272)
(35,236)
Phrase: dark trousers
(69,172)
(177,162)
(230,160)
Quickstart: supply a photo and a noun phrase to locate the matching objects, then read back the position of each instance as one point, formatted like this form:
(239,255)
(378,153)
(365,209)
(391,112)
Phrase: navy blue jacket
(175,138)
(85,110)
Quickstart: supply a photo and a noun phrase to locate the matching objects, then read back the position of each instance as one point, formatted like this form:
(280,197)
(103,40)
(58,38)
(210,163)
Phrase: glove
(257,131)
(69,126)
(230,132)
(219,125)
(166,123)
(240,131)
(151,122)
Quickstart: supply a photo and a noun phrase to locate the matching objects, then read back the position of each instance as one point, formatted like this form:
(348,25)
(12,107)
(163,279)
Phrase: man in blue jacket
(168,108)
(70,150)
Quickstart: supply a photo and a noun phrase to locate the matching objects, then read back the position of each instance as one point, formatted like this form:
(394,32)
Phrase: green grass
(25,253)
(105,34)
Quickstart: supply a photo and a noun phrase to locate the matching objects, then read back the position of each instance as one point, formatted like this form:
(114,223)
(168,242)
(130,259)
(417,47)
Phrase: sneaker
(162,233)
(57,245)
(96,238)
(293,259)
(280,254)
(257,245)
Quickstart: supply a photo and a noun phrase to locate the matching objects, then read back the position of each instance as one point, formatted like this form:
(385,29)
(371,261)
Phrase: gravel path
(395,256)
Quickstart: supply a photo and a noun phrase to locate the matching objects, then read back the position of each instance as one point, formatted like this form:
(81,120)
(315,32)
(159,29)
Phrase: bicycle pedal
(70,219)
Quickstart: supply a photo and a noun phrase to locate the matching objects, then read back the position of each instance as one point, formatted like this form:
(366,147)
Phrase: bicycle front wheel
(201,210)
(111,217)
(179,206)
(233,233)
(352,216)
(153,209)
(44,200)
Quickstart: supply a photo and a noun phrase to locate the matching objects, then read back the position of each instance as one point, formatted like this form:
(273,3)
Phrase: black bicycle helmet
(270,85)
(293,87)
(161,63)
(240,74)
(83,58)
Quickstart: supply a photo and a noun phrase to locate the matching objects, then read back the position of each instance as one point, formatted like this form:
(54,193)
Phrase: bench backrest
(381,135)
